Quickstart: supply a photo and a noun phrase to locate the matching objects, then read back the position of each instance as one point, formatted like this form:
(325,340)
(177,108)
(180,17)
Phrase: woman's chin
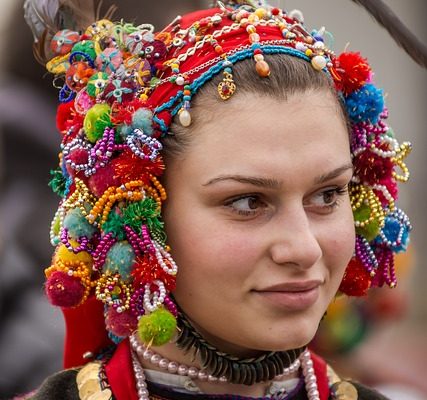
(290,337)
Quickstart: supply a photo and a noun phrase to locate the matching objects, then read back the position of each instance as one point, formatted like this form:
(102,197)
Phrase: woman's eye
(327,200)
(246,205)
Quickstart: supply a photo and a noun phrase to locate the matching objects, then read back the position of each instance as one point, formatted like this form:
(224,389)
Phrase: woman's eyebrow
(333,174)
(268,183)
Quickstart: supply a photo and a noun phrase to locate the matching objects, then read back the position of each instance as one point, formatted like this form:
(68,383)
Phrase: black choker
(239,371)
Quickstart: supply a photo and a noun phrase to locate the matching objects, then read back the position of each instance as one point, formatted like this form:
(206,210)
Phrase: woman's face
(259,220)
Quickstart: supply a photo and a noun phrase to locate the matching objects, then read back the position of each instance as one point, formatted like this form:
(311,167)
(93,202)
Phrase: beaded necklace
(138,350)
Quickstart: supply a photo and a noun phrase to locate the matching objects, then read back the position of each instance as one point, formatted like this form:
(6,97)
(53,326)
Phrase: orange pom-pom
(356,280)
(351,71)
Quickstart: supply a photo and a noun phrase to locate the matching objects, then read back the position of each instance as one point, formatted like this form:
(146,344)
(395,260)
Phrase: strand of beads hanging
(236,370)
(195,373)
(141,384)
(140,352)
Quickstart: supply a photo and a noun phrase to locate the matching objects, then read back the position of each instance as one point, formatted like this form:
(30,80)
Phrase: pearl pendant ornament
(184,118)
(318,62)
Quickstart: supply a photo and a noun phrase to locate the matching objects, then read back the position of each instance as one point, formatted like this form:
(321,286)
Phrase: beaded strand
(139,351)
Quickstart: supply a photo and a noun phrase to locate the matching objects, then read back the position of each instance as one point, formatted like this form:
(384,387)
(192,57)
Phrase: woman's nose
(294,240)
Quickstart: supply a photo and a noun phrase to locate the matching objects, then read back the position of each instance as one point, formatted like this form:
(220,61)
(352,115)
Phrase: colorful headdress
(121,87)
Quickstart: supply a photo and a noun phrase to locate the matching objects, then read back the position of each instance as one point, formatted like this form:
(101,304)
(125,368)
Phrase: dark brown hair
(289,75)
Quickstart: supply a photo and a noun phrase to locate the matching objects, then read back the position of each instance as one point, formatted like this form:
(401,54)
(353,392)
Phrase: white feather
(40,15)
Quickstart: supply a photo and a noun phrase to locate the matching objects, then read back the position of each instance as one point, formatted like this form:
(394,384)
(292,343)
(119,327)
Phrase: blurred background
(388,341)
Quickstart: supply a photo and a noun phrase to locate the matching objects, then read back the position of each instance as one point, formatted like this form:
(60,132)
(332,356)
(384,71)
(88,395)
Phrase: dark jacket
(63,386)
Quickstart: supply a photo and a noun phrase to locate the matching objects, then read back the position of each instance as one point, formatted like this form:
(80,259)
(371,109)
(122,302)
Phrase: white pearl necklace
(173,367)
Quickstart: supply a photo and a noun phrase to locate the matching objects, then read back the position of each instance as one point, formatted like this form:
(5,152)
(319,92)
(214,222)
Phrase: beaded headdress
(121,86)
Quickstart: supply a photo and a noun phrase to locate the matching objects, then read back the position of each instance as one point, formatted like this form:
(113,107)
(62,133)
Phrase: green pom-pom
(96,120)
(77,225)
(144,211)
(58,183)
(157,328)
(87,47)
(120,259)
(368,231)
(114,224)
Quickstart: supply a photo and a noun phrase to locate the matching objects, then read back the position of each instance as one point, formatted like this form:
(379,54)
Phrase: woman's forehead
(270,139)
(263,126)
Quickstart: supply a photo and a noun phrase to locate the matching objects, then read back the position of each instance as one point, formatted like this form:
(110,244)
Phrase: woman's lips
(294,296)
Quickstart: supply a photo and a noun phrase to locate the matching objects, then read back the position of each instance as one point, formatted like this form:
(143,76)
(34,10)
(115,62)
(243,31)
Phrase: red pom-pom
(66,118)
(391,186)
(351,71)
(102,180)
(372,168)
(120,324)
(155,51)
(356,280)
(127,167)
(146,270)
(122,114)
(165,116)
(63,290)
(64,115)
(78,156)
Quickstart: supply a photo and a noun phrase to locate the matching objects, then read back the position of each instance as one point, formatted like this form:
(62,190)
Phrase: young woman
(281,184)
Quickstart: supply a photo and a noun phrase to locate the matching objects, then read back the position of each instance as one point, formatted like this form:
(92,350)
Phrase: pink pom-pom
(120,324)
(371,168)
(102,180)
(63,290)
(391,186)
(78,157)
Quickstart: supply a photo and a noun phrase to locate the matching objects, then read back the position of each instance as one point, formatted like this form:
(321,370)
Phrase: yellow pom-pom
(260,12)
(96,120)
(63,254)
(157,328)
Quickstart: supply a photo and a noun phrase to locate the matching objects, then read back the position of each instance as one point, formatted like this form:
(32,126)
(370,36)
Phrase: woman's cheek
(338,245)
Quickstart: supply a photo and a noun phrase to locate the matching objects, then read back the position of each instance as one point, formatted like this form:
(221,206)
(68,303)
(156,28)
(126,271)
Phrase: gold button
(344,391)
(103,395)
